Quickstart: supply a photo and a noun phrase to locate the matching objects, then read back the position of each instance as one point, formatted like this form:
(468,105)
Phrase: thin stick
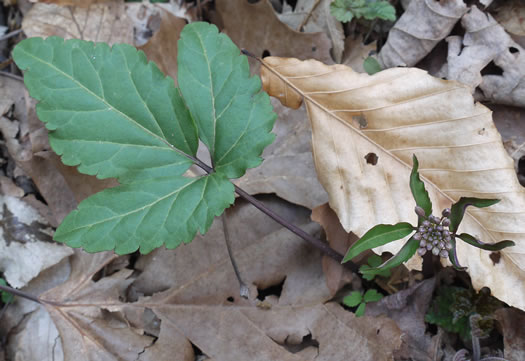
(12,76)
(243,289)
(307,17)
(10,35)
(19,293)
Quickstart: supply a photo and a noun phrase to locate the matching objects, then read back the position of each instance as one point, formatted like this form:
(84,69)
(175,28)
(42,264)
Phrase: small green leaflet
(356,298)
(346,10)
(6,297)
(419,192)
(371,65)
(457,211)
(115,115)
(379,236)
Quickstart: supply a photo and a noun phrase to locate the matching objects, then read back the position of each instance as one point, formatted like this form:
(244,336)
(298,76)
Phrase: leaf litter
(303,332)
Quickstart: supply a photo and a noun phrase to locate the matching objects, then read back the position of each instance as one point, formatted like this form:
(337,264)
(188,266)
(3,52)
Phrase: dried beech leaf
(424,24)
(406,112)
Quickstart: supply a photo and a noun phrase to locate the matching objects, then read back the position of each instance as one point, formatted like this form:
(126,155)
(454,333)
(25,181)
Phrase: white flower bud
(429,246)
(420,211)
(446,212)
(435,251)
(446,222)
(448,246)
(443,253)
(421,251)
(423,243)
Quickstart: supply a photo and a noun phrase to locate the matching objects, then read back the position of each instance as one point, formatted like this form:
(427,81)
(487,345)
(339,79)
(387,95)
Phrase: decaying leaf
(511,15)
(314,16)
(424,24)
(81,3)
(356,52)
(366,170)
(486,41)
(511,322)
(288,168)
(256,28)
(107,22)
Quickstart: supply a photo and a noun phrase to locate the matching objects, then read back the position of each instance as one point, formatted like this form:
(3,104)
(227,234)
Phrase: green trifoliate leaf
(110,111)
(373,262)
(233,115)
(379,236)
(458,209)
(360,310)
(114,114)
(419,192)
(146,214)
(353,299)
(380,10)
(486,246)
(371,65)
(6,296)
(372,296)
(404,254)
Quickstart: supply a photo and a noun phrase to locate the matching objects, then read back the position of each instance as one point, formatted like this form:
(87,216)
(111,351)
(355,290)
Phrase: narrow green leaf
(360,310)
(417,187)
(110,111)
(233,115)
(146,214)
(458,209)
(371,65)
(6,296)
(353,299)
(486,246)
(453,256)
(372,296)
(378,236)
(404,254)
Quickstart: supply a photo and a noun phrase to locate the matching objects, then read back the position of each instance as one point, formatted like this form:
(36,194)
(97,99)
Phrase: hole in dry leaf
(230,299)
(253,1)
(513,50)
(199,355)
(266,53)
(314,48)
(371,158)
(273,290)
(495,257)
(491,69)
(306,342)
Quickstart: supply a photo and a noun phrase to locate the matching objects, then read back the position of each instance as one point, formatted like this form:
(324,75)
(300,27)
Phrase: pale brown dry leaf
(408,112)
(424,24)
(288,168)
(356,52)
(486,41)
(256,28)
(80,3)
(511,322)
(313,16)
(337,276)
(85,312)
(108,22)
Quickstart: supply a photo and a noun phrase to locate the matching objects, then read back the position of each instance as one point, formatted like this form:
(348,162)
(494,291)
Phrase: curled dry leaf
(366,170)
(81,3)
(486,41)
(424,24)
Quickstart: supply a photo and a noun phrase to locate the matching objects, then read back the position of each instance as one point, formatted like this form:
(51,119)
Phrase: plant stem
(19,293)
(317,243)
(243,289)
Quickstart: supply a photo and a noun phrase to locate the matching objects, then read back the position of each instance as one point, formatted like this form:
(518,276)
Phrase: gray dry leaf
(257,28)
(314,16)
(288,168)
(424,24)
(486,41)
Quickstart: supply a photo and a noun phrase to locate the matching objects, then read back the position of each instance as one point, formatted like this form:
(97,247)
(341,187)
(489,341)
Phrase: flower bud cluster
(433,234)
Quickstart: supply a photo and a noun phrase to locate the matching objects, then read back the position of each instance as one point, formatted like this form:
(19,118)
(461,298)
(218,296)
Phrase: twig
(10,35)
(243,289)
(307,17)
(12,76)
(19,293)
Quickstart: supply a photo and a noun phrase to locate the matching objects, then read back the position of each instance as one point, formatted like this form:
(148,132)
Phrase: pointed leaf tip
(379,236)
(458,209)
(486,246)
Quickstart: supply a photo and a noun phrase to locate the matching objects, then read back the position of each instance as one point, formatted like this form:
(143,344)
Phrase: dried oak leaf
(406,112)
(486,41)
(257,28)
(424,24)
